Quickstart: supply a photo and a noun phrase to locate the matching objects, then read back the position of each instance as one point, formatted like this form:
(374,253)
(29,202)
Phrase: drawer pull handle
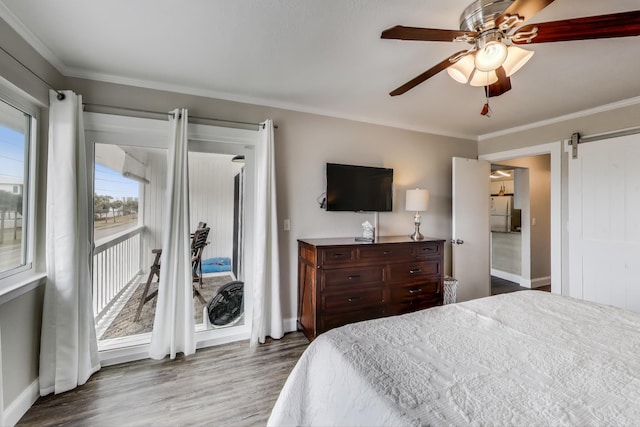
(337,255)
(352,299)
(415,270)
(387,253)
(415,291)
(354,276)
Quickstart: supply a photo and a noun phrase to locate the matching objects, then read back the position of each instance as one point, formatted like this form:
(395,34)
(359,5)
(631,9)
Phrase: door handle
(457,241)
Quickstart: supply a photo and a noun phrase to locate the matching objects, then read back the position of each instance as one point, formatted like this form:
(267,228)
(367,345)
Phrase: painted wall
(20,317)
(610,118)
(304,143)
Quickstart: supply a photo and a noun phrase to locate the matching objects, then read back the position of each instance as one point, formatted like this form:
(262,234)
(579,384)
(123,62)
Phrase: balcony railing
(116,263)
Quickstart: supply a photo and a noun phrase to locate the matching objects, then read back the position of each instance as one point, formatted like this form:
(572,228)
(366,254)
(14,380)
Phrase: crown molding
(108,78)
(24,32)
(578,114)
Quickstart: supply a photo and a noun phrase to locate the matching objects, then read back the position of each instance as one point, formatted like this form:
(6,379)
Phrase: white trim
(290,324)
(21,405)
(21,285)
(512,277)
(540,281)
(24,32)
(555,150)
(578,114)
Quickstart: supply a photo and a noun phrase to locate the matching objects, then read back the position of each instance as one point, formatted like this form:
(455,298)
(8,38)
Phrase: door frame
(555,150)
(152,133)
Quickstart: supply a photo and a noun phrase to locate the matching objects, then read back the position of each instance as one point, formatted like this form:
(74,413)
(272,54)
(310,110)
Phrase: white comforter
(521,359)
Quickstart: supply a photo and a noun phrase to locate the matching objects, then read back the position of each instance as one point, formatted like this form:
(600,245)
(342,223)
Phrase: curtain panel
(267,311)
(174,325)
(68,349)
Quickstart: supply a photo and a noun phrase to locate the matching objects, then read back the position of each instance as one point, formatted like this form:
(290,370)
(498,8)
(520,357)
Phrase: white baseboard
(541,281)
(21,405)
(290,324)
(525,283)
(516,278)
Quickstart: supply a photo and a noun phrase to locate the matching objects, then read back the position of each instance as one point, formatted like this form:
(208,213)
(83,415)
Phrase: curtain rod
(60,96)
(139,110)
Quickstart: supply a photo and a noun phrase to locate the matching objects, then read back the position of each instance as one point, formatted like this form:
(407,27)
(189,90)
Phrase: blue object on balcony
(216,265)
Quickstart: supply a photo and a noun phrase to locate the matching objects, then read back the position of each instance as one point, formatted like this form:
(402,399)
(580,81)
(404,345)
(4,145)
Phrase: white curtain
(174,326)
(267,313)
(68,349)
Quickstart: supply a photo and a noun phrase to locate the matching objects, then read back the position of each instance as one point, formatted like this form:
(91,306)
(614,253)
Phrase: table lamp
(417,201)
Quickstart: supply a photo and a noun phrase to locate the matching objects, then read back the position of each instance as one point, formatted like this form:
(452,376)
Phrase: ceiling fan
(494,28)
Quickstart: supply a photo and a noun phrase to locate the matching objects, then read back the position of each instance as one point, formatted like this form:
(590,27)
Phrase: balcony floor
(119,320)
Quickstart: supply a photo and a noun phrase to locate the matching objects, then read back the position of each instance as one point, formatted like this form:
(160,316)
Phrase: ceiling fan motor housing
(481,15)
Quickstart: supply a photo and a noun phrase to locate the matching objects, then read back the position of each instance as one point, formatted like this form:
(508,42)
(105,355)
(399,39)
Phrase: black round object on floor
(227,305)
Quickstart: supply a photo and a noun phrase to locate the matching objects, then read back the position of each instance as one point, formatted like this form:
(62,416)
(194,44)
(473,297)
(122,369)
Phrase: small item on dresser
(368,232)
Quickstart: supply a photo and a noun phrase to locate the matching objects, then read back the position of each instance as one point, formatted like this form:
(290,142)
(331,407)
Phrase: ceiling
(326,57)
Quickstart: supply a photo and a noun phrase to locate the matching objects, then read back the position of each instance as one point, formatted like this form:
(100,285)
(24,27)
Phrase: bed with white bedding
(524,358)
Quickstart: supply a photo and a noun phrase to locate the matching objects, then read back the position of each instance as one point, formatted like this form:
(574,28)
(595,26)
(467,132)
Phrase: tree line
(102,205)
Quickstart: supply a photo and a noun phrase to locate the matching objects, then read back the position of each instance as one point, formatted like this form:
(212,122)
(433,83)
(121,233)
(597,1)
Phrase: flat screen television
(359,188)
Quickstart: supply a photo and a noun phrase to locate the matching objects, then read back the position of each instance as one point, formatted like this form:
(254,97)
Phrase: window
(16,191)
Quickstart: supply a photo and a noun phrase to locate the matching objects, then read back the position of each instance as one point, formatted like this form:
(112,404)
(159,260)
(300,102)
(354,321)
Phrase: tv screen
(359,188)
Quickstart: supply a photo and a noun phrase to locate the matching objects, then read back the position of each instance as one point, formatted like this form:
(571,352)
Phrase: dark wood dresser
(342,281)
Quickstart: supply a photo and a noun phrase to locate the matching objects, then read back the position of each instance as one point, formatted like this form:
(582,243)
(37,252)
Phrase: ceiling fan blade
(624,24)
(427,74)
(424,34)
(525,9)
(501,86)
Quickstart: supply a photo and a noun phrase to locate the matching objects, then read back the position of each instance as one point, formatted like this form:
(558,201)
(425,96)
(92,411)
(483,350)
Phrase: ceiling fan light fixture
(461,70)
(483,78)
(516,58)
(491,56)
(491,51)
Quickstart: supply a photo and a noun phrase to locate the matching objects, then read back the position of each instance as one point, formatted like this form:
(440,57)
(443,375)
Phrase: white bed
(525,358)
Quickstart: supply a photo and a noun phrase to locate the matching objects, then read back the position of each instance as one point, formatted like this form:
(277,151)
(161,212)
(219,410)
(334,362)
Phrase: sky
(111,183)
(107,181)
(11,153)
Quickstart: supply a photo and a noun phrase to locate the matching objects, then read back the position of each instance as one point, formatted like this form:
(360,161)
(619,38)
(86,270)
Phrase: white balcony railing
(116,263)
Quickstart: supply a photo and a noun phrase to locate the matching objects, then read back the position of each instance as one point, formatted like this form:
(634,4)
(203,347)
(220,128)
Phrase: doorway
(221,195)
(552,183)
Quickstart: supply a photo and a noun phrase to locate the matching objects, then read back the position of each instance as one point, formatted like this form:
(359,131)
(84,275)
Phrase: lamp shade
(417,200)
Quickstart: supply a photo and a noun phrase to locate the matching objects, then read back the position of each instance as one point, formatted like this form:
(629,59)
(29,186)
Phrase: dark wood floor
(502,286)
(227,385)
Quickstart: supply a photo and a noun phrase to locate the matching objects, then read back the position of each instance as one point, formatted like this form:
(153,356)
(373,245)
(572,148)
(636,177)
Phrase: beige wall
(20,317)
(603,121)
(304,143)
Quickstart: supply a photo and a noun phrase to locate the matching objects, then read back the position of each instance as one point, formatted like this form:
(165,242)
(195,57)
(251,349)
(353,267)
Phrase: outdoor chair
(198,243)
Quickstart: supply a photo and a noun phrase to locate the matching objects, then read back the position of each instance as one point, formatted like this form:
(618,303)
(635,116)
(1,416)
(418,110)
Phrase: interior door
(604,231)
(471,224)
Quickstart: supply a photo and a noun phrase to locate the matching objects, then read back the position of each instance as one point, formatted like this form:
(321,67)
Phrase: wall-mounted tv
(359,188)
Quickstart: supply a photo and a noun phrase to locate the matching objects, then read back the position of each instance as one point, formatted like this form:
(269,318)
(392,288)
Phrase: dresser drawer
(336,256)
(416,291)
(355,299)
(410,306)
(346,278)
(333,321)
(414,271)
(428,249)
(385,252)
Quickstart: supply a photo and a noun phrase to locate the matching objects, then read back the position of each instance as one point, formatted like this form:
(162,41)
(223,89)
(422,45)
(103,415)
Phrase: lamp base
(417,235)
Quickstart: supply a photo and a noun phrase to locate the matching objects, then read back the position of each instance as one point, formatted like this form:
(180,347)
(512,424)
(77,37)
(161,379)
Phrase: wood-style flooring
(227,385)
(502,286)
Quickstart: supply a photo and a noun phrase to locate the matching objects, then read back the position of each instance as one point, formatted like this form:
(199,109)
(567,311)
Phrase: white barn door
(604,222)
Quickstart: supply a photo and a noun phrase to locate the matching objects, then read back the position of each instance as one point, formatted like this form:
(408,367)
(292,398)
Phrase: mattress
(524,358)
